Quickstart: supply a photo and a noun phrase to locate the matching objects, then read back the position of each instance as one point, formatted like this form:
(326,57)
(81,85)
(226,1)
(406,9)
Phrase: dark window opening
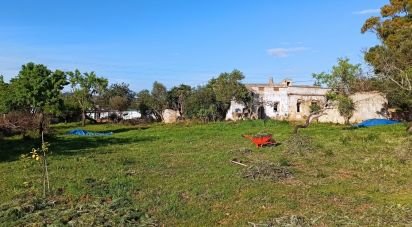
(298,107)
(275,107)
(288,83)
(261,113)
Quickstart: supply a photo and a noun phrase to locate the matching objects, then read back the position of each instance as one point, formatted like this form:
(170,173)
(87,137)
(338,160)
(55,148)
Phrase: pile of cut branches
(60,211)
(299,144)
(264,170)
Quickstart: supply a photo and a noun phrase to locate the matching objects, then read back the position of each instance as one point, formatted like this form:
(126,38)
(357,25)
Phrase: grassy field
(181,175)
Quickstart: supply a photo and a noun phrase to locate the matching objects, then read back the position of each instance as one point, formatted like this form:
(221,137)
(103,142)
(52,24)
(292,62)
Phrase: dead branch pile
(61,212)
(241,156)
(264,170)
(293,220)
(299,144)
(17,123)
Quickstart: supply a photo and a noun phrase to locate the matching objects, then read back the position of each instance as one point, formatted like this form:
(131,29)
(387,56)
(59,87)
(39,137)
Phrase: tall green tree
(84,87)
(342,77)
(71,108)
(153,102)
(201,104)
(119,97)
(120,90)
(228,87)
(177,97)
(143,102)
(39,89)
(158,101)
(4,96)
(341,81)
(391,59)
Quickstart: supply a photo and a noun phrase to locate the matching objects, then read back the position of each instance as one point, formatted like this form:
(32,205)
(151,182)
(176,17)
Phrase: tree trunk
(182,109)
(347,120)
(83,118)
(311,117)
(159,115)
(41,122)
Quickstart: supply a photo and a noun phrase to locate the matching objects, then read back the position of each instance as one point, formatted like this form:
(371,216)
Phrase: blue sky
(183,41)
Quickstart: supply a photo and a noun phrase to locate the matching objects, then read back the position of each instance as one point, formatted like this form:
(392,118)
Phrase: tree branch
(310,118)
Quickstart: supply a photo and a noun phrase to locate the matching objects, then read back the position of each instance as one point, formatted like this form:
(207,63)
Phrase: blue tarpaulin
(81,132)
(376,122)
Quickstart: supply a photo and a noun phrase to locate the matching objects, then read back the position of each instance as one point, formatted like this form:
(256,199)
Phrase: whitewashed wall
(368,105)
(269,97)
(235,107)
(286,97)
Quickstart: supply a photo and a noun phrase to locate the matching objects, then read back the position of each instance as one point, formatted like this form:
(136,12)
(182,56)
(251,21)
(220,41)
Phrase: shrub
(114,117)
(18,123)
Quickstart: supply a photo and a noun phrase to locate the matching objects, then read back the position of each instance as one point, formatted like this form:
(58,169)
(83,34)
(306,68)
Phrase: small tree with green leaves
(143,99)
(200,100)
(153,102)
(119,103)
(158,101)
(315,107)
(341,81)
(122,96)
(84,87)
(38,89)
(177,97)
(40,155)
(228,87)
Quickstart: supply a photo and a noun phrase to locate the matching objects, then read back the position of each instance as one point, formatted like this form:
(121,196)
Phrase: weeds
(299,144)
(404,151)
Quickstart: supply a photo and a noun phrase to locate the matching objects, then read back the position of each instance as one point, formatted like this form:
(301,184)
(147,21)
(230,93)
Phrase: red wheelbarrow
(261,140)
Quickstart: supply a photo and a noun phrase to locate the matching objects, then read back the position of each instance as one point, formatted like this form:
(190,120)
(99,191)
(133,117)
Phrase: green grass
(182,175)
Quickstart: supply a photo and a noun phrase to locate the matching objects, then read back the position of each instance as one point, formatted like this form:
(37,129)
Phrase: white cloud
(284,52)
(367,11)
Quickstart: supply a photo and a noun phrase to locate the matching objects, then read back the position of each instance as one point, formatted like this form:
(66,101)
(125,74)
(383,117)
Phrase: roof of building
(285,83)
(281,85)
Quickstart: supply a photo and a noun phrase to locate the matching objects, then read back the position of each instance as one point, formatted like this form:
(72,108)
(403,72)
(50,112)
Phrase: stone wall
(368,105)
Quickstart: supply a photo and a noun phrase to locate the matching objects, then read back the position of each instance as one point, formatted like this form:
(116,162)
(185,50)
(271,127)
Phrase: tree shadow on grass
(10,150)
(128,129)
(79,145)
(122,128)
